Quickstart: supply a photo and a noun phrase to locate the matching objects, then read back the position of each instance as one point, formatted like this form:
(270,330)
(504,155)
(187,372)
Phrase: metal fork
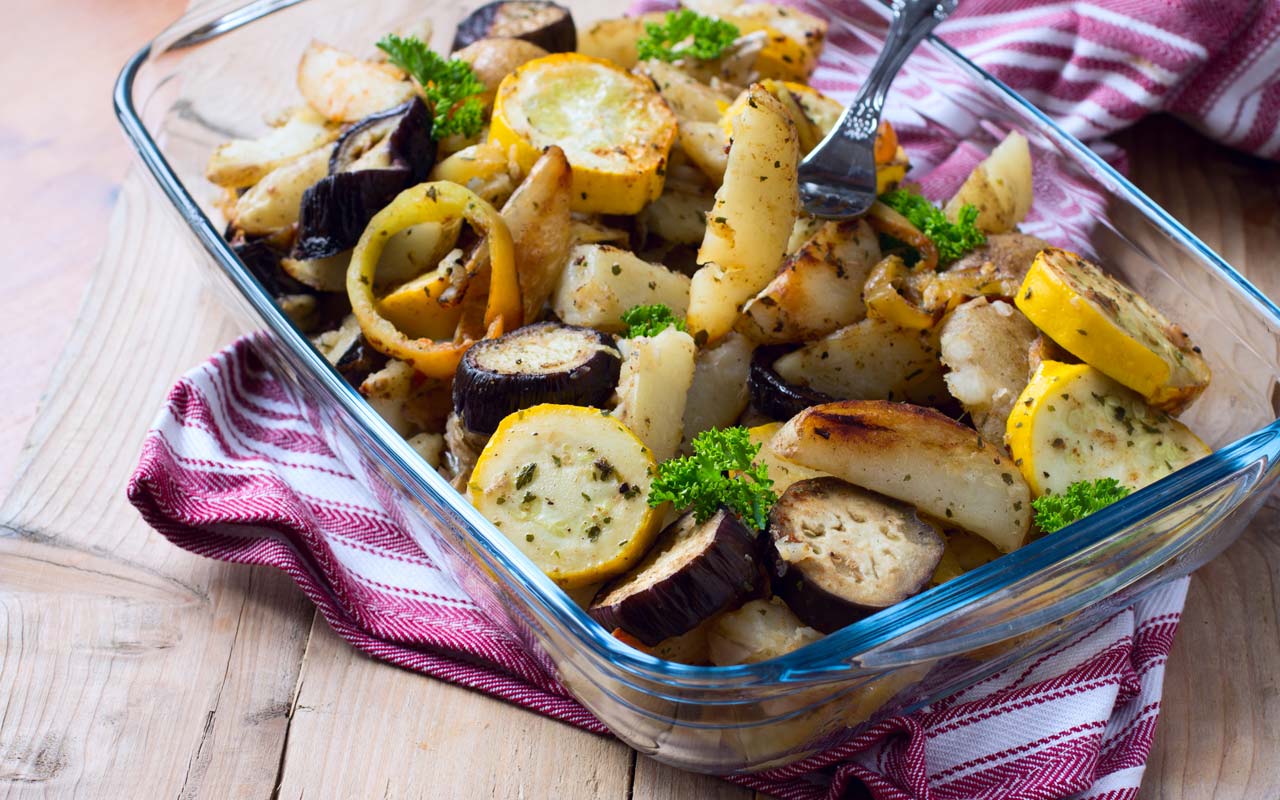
(838,178)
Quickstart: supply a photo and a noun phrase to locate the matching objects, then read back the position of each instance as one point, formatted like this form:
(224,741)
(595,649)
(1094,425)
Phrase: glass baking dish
(219,70)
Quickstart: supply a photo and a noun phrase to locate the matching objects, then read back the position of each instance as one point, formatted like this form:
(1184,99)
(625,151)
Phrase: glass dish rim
(836,650)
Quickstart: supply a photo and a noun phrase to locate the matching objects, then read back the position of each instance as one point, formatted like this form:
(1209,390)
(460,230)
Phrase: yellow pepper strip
(888,221)
(433,202)
(884,299)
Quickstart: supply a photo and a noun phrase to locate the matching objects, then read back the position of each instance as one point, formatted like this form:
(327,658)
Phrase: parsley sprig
(450,87)
(953,239)
(650,320)
(1082,498)
(686,34)
(721,472)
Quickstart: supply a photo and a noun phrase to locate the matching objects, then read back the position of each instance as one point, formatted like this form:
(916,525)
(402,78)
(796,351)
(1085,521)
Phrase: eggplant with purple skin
(838,553)
(771,394)
(543,363)
(379,157)
(548,25)
(359,361)
(694,571)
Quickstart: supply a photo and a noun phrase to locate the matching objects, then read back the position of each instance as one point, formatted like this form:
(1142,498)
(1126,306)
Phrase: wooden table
(129,668)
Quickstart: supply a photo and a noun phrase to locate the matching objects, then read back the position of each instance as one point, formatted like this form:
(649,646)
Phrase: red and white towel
(234,470)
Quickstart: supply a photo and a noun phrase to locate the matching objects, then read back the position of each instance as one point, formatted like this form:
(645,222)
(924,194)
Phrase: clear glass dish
(217,72)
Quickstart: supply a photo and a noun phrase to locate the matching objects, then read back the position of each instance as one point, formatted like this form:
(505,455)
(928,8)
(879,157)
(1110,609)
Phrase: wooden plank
(64,149)
(122,659)
(1217,735)
(364,729)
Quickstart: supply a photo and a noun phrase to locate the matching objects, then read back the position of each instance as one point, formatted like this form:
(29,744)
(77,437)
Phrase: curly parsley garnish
(686,34)
(953,239)
(450,87)
(720,472)
(1082,498)
(650,320)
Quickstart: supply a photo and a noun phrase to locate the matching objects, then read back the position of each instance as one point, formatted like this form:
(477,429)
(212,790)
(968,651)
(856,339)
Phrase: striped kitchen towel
(234,469)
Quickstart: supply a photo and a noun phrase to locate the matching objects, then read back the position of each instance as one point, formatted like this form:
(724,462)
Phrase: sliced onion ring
(438,201)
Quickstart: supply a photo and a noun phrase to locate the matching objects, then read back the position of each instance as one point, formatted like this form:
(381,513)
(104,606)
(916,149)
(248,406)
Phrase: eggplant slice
(838,553)
(379,157)
(548,25)
(772,395)
(359,361)
(397,137)
(543,363)
(694,571)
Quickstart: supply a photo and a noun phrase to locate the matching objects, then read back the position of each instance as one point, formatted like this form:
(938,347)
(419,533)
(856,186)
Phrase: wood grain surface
(129,668)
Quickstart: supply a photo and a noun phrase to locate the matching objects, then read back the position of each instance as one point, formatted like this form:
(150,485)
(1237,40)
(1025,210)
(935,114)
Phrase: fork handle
(912,21)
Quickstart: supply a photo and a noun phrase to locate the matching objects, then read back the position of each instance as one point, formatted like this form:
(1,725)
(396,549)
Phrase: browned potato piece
(986,345)
(818,289)
(872,359)
(494,59)
(918,456)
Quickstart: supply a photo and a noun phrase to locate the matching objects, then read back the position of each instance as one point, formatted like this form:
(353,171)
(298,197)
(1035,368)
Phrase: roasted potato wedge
(1000,187)
(244,162)
(869,360)
(818,289)
(718,394)
(748,228)
(600,282)
(653,386)
(273,203)
(918,456)
(345,89)
(986,346)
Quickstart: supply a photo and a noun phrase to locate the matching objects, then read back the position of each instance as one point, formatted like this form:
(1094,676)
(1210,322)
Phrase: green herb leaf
(953,239)
(721,472)
(1082,498)
(450,87)
(650,320)
(686,34)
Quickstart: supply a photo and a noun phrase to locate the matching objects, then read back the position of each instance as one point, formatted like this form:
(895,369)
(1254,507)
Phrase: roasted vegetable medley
(569,266)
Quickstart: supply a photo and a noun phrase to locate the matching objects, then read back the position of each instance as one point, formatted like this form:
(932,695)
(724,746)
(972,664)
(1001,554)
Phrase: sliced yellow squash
(614,128)
(1111,327)
(569,486)
(1073,423)
(794,39)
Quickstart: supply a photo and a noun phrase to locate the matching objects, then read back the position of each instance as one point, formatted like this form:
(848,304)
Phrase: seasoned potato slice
(244,162)
(869,360)
(1000,187)
(781,471)
(718,394)
(274,202)
(986,346)
(600,282)
(918,456)
(1073,423)
(615,39)
(759,631)
(537,215)
(818,289)
(702,143)
(689,98)
(345,89)
(754,213)
(653,386)
(678,217)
